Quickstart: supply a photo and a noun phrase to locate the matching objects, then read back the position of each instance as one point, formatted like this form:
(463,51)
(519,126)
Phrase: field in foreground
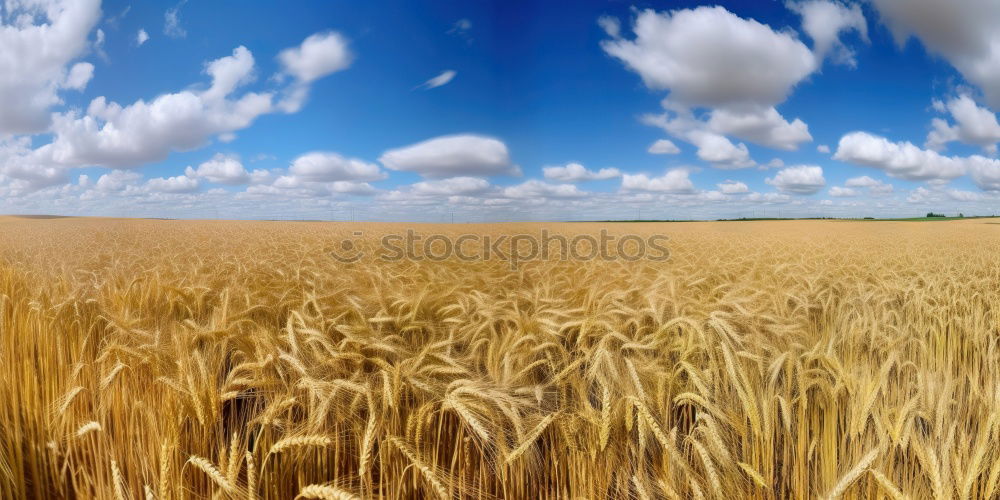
(791,359)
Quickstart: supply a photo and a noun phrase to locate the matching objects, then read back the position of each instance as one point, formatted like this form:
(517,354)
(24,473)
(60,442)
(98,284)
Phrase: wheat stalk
(530,439)
(88,428)
(325,492)
(852,475)
(116,479)
(212,472)
(428,474)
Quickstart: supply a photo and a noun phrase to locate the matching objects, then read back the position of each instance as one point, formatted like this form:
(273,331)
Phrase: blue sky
(499,110)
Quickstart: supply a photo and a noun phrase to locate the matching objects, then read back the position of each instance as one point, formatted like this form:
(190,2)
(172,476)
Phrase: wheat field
(783,359)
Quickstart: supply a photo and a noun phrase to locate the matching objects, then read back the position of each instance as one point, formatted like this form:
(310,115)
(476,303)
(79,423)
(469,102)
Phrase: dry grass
(162,359)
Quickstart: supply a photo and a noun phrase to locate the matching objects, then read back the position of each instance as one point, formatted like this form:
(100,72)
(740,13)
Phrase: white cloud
(79,75)
(663,147)
(22,174)
(872,185)
(922,195)
(708,56)
(762,126)
(229,73)
(902,160)
(353,188)
(178,184)
(172,21)
(963,32)
(117,136)
(733,187)
(141,37)
(451,156)
(611,25)
(221,169)
(973,125)
(804,179)
(328,167)
(823,148)
(959,195)
(451,187)
(825,20)
(117,180)
(287,186)
(442,79)
(38,40)
(538,189)
(720,151)
(674,181)
(738,68)
(863,181)
(768,198)
(843,192)
(317,56)
(985,172)
(712,147)
(574,172)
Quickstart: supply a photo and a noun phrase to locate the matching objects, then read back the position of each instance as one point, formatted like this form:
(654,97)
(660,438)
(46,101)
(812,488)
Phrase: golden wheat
(772,360)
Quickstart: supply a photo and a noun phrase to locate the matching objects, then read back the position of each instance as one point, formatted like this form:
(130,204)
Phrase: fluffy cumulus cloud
(973,124)
(452,186)
(221,169)
(902,160)
(937,195)
(762,126)
(317,174)
(965,33)
(117,180)
(804,179)
(713,147)
(739,69)
(20,174)
(452,156)
(117,136)
(292,186)
(539,189)
(574,172)
(611,25)
(319,55)
(674,181)
(177,184)
(663,147)
(112,135)
(331,167)
(711,57)
(874,186)
(985,172)
(733,187)
(39,42)
(843,192)
(141,37)
(824,21)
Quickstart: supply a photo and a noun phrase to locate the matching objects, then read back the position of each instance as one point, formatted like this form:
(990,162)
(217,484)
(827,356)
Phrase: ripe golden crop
(791,359)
